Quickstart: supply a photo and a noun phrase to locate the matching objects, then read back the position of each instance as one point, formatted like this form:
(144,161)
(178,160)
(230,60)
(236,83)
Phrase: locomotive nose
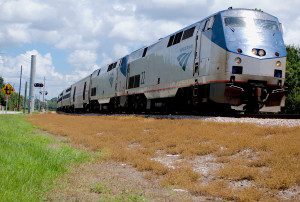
(246,65)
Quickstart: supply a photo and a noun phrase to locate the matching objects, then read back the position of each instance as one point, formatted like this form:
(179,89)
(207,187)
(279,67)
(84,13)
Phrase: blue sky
(72,38)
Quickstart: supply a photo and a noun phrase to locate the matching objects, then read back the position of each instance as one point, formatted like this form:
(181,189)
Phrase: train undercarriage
(248,97)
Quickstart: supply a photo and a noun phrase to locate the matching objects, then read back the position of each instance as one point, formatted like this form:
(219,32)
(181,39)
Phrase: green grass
(29,162)
(100,189)
(123,197)
(106,194)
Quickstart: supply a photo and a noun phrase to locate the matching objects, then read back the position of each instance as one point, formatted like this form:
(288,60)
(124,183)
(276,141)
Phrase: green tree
(52,104)
(13,98)
(1,82)
(13,101)
(2,96)
(293,80)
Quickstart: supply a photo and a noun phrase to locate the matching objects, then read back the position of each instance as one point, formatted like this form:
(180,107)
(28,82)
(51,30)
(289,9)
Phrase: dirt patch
(240,184)
(221,159)
(134,146)
(246,154)
(118,179)
(292,193)
(207,166)
(168,160)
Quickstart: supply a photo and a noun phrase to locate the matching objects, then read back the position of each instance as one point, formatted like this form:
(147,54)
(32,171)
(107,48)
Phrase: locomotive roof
(219,12)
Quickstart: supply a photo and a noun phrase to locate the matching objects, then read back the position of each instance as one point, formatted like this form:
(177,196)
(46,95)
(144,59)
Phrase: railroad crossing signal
(38,85)
(8,89)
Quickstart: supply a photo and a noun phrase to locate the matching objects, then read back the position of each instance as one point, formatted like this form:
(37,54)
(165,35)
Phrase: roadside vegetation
(13,100)
(30,162)
(231,161)
(293,80)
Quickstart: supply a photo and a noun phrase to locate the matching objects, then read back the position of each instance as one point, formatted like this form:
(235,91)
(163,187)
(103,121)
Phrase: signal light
(39,85)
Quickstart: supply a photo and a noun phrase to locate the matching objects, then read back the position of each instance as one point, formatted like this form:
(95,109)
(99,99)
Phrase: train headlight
(278,64)
(254,51)
(238,60)
(239,50)
(261,52)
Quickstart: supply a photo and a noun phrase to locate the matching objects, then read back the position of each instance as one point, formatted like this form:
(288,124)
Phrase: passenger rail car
(235,58)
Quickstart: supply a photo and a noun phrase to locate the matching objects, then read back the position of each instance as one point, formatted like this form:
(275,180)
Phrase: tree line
(292,104)
(292,84)
(13,98)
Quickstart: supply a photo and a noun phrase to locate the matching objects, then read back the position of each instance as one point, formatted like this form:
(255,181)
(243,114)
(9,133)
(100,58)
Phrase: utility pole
(20,89)
(39,109)
(24,105)
(31,85)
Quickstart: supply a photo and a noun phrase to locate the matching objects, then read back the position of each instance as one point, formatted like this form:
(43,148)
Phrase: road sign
(8,89)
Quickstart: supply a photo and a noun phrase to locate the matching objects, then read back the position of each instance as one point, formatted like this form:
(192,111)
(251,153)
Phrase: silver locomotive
(233,59)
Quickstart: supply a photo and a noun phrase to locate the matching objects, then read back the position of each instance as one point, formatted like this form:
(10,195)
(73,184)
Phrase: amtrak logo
(183,59)
(111,80)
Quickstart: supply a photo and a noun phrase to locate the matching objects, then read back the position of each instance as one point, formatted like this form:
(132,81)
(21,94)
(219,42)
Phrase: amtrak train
(233,59)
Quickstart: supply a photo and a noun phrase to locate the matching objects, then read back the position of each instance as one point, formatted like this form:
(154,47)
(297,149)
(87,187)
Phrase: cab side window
(209,23)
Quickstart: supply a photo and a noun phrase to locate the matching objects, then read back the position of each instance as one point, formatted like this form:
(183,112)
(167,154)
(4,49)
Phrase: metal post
(43,103)
(20,89)
(31,87)
(25,98)
(6,103)
(40,100)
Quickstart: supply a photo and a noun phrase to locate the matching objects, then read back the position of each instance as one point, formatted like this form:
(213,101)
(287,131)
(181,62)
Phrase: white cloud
(10,69)
(120,50)
(76,41)
(134,29)
(23,11)
(124,7)
(85,24)
(55,81)
(292,34)
(83,59)
(176,3)
(17,33)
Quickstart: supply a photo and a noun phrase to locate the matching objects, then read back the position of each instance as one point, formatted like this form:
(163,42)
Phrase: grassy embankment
(30,162)
(267,159)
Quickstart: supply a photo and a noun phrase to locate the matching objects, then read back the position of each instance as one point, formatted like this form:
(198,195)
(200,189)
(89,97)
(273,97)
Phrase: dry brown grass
(272,162)
(238,172)
(182,176)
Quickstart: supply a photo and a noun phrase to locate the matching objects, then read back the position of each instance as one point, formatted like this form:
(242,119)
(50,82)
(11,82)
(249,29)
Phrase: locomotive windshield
(266,24)
(234,22)
(246,30)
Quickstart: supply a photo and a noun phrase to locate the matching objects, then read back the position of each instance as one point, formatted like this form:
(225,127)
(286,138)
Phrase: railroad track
(269,116)
(268,120)
(193,116)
